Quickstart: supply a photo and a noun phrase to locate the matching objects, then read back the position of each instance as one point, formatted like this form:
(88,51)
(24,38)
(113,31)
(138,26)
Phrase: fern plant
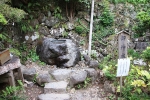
(8,93)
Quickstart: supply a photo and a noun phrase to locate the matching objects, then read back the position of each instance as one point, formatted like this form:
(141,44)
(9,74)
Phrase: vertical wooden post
(11,78)
(122,41)
(20,74)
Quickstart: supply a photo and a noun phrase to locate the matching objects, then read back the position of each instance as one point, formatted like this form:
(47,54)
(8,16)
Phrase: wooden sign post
(123,62)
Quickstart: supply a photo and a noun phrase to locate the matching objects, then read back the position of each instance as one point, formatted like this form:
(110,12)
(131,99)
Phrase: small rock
(70,26)
(72,90)
(139,62)
(86,58)
(44,77)
(29,84)
(51,21)
(92,73)
(93,64)
(109,87)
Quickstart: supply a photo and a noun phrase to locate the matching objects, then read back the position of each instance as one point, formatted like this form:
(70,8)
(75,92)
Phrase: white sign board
(123,67)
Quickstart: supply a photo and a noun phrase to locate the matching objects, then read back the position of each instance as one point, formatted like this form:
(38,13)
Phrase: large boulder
(61,52)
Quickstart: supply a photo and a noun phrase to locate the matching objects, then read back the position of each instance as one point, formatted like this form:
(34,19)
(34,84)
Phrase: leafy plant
(65,34)
(146,54)
(32,54)
(3,21)
(136,84)
(3,36)
(110,76)
(25,27)
(10,13)
(57,13)
(79,29)
(133,53)
(34,79)
(130,1)
(15,52)
(94,54)
(106,18)
(143,23)
(8,93)
(86,82)
(82,42)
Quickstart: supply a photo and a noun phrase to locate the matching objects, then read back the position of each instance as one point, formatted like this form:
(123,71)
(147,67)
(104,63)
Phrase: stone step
(53,87)
(61,74)
(54,96)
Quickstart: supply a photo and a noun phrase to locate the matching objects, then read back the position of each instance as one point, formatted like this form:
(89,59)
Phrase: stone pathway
(55,91)
(60,83)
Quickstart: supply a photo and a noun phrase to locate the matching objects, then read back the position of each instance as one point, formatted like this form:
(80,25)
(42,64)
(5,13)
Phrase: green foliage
(94,54)
(10,13)
(136,84)
(34,79)
(110,72)
(57,13)
(79,29)
(3,36)
(85,2)
(71,6)
(3,21)
(8,93)
(146,54)
(108,66)
(15,51)
(82,42)
(130,1)
(4,39)
(87,82)
(25,27)
(106,18)
(25,54)
(65,34)
(104,61)
(100,32)
(133,53)
(32,54)
(143,23)
(103,25)
(111,97)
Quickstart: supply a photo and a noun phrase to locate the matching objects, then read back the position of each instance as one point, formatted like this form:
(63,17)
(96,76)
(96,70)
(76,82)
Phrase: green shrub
(136,86)
(3,21)
(106,18)
(143,23)
(133,53)
(130,1)
(13,14)
(8,93)
(79,29)
(146,54)
(15,52)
